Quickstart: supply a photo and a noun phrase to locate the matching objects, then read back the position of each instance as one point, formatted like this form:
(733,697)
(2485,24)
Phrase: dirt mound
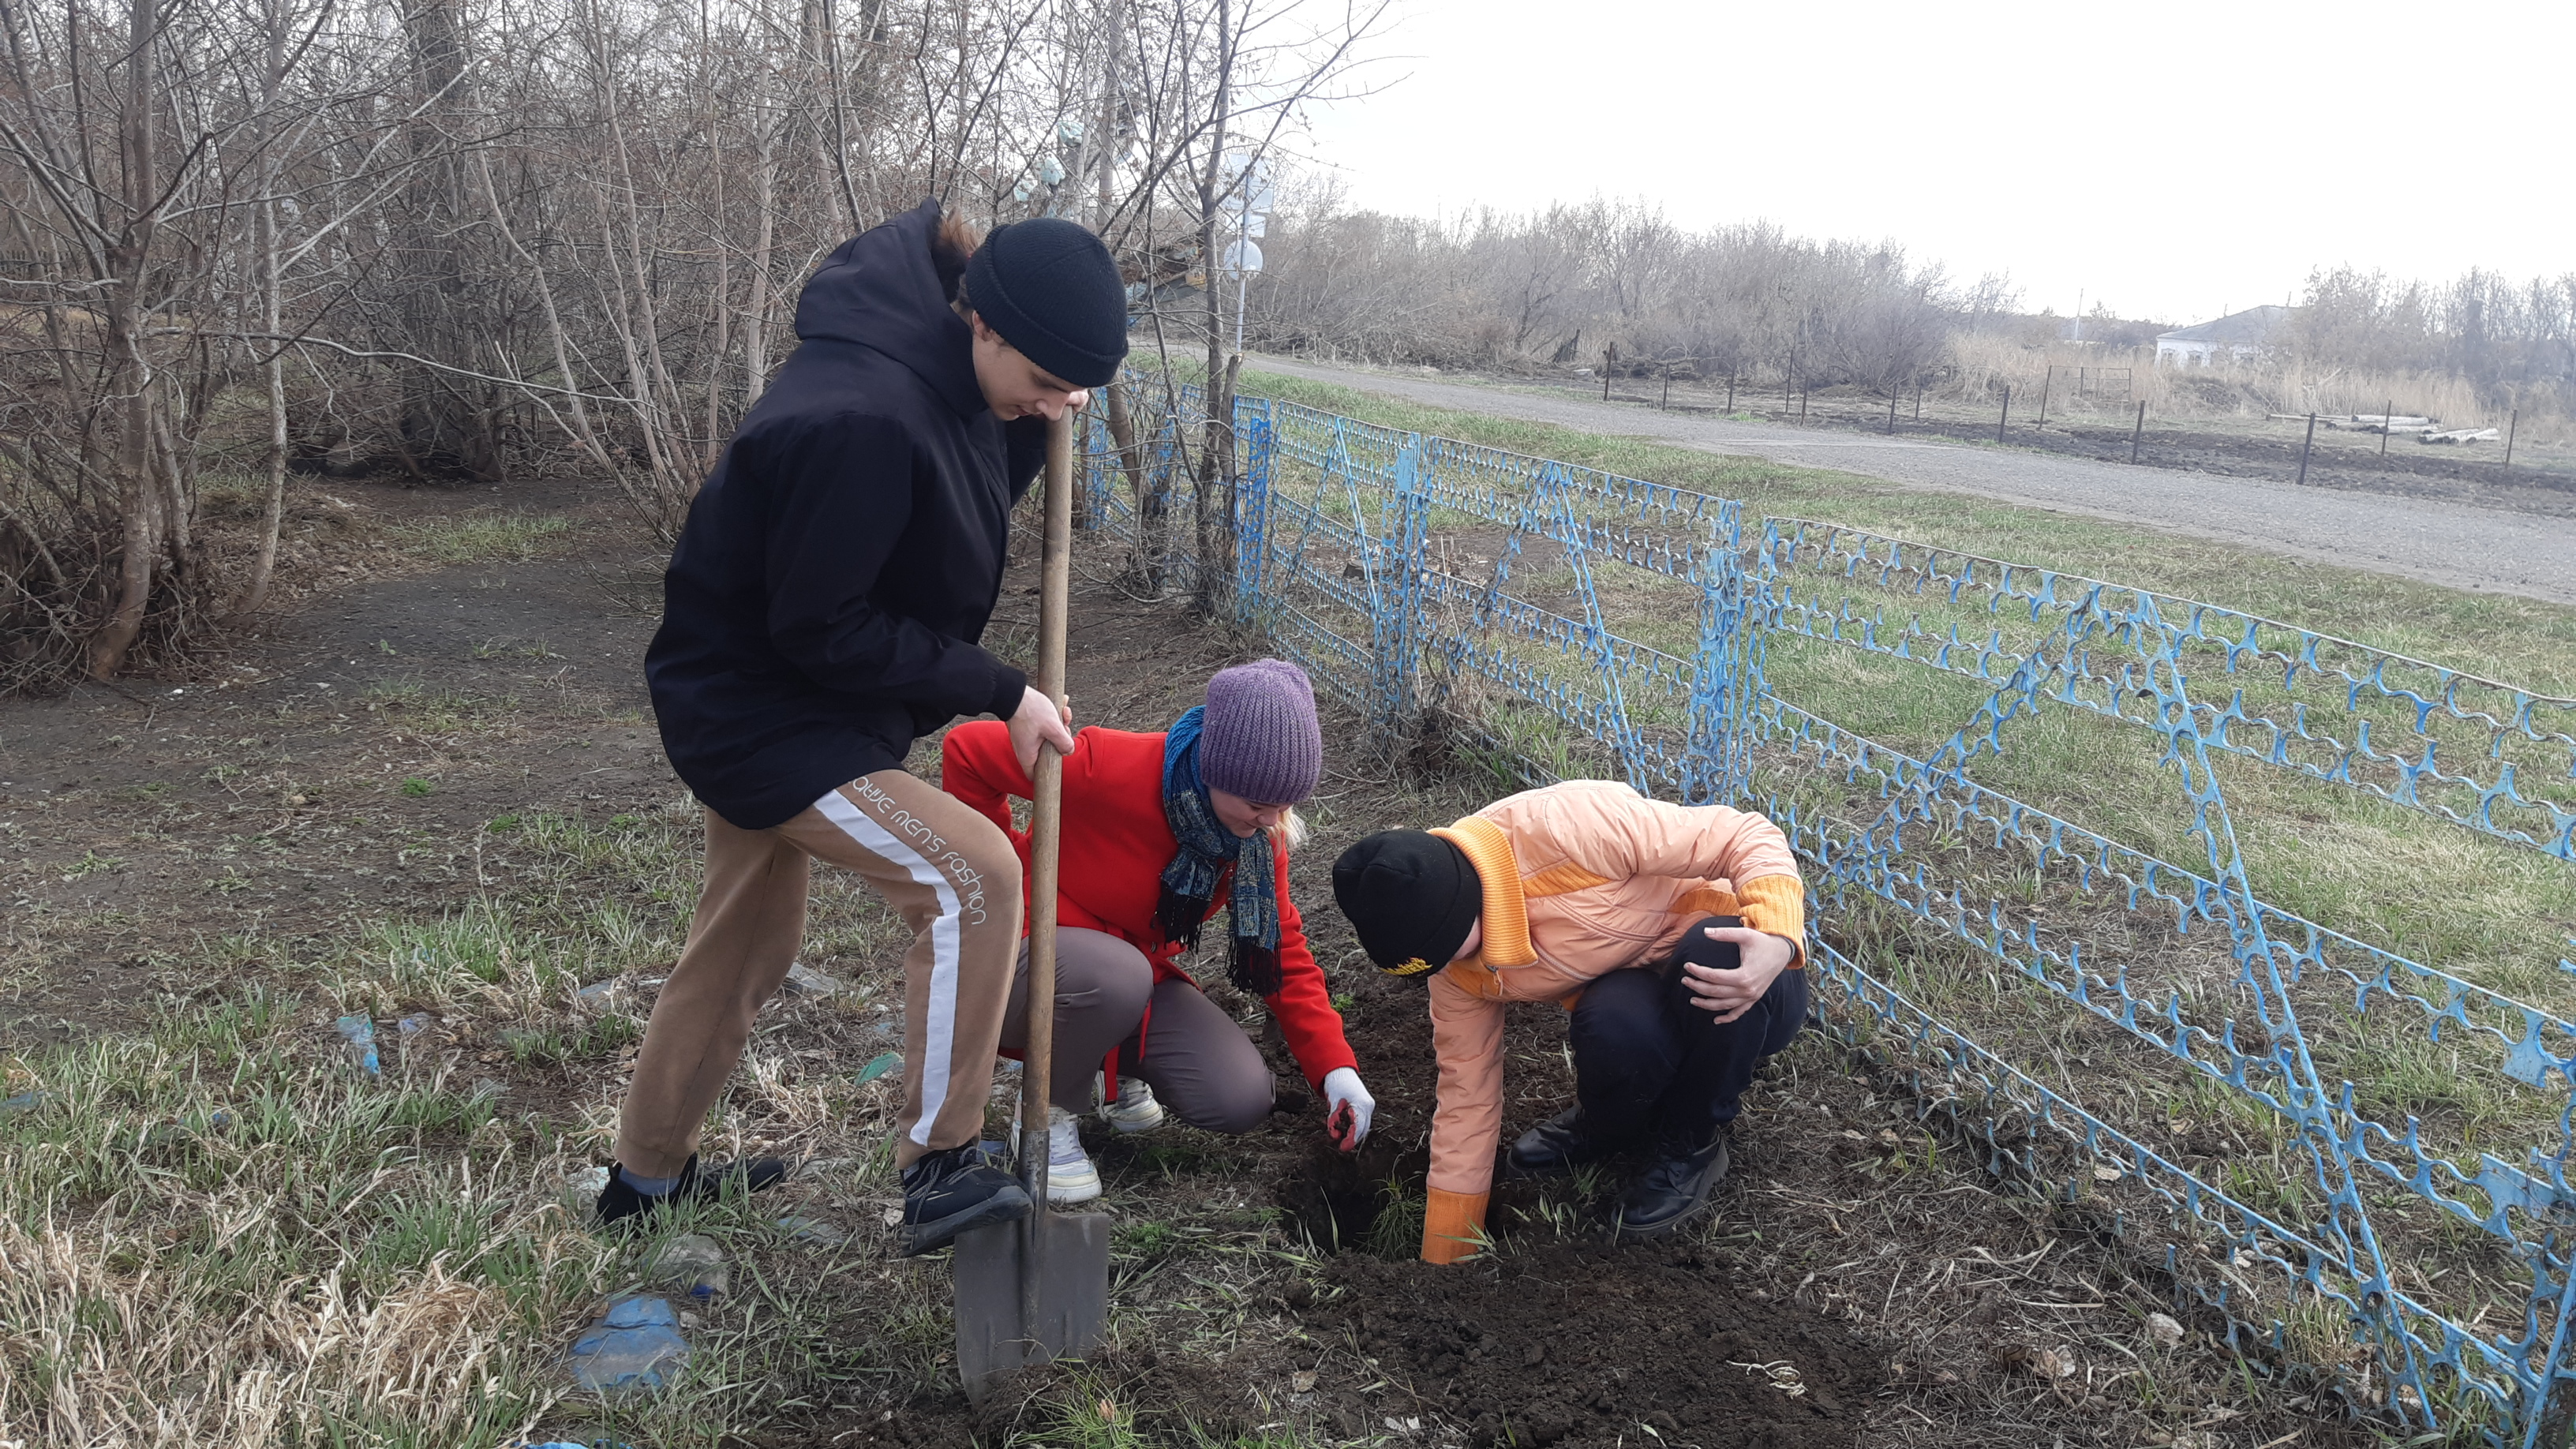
(1577,1346)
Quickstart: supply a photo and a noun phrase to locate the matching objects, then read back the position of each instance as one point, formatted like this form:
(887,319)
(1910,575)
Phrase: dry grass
(2225,392)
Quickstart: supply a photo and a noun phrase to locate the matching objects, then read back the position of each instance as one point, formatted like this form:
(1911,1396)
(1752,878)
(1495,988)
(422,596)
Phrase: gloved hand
(1348,1107)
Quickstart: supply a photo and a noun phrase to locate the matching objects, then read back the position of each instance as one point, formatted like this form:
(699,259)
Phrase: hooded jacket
(1580,879)
(823,606)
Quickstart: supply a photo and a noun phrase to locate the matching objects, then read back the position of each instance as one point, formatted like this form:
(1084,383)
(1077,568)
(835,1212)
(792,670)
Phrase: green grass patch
(440,711)
(2525,641)
(476,538)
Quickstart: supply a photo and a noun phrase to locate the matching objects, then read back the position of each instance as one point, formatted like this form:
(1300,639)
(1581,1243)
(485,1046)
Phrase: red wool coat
(1116,843)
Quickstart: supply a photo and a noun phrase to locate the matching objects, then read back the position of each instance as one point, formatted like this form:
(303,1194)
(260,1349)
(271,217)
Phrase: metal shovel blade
(1071,1293)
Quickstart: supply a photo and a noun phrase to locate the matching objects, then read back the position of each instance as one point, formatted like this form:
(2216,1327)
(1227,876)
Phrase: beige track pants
(952,875)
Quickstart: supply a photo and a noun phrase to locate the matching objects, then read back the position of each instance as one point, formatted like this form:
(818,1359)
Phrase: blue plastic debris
(637,1344)
(879,1066)
(24,1102)
(361,1034)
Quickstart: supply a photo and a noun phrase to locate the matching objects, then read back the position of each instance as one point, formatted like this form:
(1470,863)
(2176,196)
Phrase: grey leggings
(1200,1064)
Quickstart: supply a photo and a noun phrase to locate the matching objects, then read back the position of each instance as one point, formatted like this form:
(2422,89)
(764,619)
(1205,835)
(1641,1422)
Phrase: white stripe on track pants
(951,874)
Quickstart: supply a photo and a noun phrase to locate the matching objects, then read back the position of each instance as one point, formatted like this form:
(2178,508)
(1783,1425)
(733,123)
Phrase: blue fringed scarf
(1207,847)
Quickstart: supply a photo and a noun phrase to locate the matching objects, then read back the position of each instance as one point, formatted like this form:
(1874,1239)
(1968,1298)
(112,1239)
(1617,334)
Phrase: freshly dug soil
(1575,1345)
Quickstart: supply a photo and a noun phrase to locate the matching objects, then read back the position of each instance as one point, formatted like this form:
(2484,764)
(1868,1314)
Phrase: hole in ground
(1369,1201)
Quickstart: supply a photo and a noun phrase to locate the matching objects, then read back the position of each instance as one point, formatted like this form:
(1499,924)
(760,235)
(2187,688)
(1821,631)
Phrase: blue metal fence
(1572,621)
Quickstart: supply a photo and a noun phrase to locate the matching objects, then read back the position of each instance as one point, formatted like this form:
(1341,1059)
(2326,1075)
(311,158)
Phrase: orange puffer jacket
(1581,879)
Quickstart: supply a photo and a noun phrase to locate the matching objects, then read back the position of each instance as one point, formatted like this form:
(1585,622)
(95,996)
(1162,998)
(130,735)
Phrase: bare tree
(449,242)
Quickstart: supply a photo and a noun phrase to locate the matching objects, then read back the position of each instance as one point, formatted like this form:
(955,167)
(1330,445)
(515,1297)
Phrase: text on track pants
(951,874)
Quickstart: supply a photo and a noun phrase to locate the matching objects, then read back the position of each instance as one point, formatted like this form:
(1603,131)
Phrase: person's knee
(1788,1004)
(1619,1017)
(1103,974)
(986,871)
(1235,1102)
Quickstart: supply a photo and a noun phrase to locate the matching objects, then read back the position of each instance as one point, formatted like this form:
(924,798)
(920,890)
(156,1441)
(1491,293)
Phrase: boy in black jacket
(821,611)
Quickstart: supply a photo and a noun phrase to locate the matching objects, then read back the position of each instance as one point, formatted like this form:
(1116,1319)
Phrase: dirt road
(2506,550)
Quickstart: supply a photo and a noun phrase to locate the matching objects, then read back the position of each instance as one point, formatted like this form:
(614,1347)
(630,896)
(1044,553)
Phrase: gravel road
(2461,545)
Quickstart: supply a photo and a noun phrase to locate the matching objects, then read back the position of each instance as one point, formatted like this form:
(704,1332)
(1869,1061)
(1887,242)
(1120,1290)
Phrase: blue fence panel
(1411,573)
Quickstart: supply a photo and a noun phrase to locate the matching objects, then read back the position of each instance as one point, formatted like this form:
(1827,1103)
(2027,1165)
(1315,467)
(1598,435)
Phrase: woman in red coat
(1162,832)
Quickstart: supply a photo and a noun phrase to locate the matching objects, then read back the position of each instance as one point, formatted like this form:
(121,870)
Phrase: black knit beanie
(1050,288)
(1411,896)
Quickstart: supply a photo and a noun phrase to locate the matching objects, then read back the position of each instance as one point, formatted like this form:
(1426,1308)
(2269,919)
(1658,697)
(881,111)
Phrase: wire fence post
(1668,389)
(1395,600)
(1252,421)
(2046,379)
(2387,425)
(2307,447)
(1891,415)
(2512,425)
(1726,677)
(1730,392)
(2138,434)
(2004,419)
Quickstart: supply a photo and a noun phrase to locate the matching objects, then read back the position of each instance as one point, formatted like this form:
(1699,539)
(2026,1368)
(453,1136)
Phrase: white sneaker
(1135,1110)
(1070,1175)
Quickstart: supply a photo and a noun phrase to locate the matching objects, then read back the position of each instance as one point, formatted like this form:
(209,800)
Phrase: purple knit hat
(1259,738)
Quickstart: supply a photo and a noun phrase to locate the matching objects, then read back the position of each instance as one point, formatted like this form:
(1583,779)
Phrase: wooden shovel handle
(1045,832)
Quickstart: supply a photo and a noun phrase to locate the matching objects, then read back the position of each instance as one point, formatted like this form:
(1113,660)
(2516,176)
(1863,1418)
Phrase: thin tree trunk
(1104,138)
(581,429)
(273,517)
(1131,461)
(138,497)
(1214,570)
(820,53)
(254,594)
(755,331)
(724,337)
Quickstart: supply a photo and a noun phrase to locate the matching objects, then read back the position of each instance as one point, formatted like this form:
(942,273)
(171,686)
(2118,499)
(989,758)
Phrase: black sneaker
(620,1203)
(1560,1144)
(1675,1188)
(952,1191)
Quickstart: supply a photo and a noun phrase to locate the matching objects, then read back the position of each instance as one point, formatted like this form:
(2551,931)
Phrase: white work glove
(1346,1117)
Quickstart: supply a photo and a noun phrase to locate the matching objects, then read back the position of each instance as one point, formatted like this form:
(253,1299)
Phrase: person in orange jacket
(1673,934)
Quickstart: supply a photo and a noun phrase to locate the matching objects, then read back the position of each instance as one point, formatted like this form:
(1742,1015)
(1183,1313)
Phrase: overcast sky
(2168,160)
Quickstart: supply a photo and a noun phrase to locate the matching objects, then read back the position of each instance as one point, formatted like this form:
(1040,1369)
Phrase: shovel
(1037,1289)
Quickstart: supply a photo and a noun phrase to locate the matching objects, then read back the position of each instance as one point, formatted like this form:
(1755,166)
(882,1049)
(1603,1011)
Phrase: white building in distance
(2238,336)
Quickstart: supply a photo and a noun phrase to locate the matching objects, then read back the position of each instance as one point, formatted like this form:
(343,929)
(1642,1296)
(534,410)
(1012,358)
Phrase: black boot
(621,1204)
(1560,1144)
(952,1191)
(1676,1186)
